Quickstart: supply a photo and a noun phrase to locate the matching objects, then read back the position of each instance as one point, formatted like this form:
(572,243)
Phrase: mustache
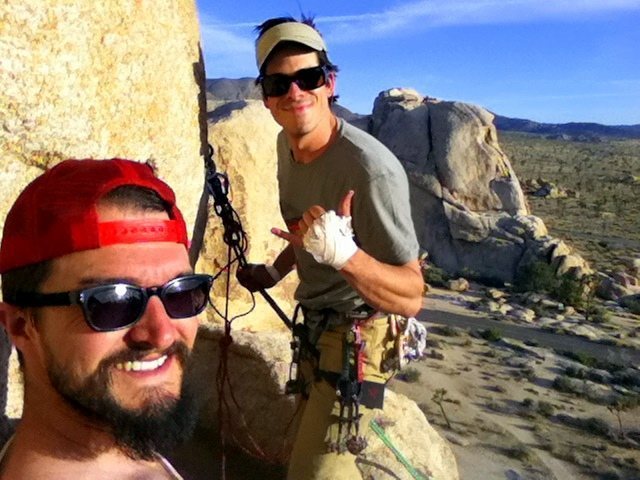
(178,349)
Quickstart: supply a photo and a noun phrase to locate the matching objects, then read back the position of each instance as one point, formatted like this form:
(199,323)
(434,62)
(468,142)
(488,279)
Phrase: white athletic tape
(330,240)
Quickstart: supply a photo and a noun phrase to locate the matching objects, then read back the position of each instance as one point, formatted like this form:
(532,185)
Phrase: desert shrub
(623,404)
(626,378)
(541,277)
(491,334)
(535,277)
(633,306)
(520,452)
(575,372)
(445,331)
(435,276)
(583,358)
(563,384)
(439,397)
(528,402)
(599,314)
(570,291)
(409,375)
(596,426)
(529,373)
(545,409)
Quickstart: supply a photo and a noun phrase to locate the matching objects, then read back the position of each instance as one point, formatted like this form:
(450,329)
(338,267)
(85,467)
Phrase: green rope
(401,458)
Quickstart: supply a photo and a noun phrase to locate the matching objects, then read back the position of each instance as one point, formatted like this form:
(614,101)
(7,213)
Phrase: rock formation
(468,207)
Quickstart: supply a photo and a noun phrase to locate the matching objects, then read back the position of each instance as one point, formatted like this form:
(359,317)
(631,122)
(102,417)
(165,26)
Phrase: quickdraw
(349,390)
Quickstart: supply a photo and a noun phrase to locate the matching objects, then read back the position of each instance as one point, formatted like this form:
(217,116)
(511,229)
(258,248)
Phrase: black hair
(323,58)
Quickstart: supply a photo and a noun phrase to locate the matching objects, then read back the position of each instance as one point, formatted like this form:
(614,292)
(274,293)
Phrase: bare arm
(389,288)
(285,261)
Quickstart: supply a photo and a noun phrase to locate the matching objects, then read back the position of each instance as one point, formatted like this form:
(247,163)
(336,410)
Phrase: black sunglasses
(120,305)
(278,84)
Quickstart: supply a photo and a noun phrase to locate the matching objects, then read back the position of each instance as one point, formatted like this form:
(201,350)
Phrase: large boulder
(468,207)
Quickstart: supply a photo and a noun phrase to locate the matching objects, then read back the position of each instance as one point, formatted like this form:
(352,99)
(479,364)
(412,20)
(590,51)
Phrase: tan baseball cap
(287,32)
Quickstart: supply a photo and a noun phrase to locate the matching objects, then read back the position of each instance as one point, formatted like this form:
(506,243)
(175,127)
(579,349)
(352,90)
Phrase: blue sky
(545,60)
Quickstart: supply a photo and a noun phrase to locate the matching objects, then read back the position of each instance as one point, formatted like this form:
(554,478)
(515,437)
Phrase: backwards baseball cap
(56,214)
(287,32)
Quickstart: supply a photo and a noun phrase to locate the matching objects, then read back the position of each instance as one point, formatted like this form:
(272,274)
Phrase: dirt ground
(506,421)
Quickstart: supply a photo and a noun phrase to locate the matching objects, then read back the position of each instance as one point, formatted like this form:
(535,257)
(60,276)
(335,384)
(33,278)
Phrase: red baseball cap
(56,214)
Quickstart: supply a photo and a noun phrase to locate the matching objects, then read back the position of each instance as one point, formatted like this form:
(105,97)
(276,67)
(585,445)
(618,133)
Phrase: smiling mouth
(142,366)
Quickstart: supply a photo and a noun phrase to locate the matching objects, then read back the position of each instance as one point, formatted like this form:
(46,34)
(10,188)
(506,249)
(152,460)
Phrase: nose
(155,329)
(294,90)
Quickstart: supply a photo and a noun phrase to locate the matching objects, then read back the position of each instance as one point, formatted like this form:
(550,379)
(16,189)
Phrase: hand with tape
(326,235)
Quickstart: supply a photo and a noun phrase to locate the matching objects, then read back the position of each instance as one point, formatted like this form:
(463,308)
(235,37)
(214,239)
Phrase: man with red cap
(101,303)
(345,199)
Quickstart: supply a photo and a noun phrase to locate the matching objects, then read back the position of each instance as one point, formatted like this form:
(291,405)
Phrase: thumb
(345,205)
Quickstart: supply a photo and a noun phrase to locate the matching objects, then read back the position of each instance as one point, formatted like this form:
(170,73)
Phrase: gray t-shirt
(381,211)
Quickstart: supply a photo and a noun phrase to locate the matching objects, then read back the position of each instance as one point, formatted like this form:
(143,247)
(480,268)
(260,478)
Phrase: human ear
(331,83)
(14,320)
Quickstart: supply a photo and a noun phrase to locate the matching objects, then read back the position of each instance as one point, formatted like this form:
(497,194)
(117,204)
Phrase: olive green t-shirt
(380,209)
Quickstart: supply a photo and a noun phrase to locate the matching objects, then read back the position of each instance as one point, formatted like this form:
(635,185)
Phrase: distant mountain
(221,90)
(232,89)
(573,130)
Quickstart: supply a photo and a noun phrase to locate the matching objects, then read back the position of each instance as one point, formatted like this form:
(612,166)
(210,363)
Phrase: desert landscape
(517,409)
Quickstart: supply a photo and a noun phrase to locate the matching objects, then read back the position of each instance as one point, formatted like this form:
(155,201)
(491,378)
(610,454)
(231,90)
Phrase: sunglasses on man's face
(278,84)
(120,305)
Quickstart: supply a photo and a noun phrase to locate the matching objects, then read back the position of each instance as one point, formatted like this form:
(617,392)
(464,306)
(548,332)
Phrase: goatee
(158,426)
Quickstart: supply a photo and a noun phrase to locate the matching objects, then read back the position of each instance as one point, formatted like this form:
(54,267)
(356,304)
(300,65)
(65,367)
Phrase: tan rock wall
(100,79)
(245,148)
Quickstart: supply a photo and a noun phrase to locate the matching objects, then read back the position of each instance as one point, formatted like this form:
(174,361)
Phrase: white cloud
(230,45)
(227,52)
(434,13)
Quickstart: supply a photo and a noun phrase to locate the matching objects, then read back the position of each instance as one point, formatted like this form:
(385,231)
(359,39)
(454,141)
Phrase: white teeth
(141,366)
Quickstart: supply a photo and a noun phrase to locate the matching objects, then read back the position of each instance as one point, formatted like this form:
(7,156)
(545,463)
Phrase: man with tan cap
(101,303)
(345,200)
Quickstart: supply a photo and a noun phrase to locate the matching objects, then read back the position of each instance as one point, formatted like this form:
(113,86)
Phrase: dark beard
(158,426)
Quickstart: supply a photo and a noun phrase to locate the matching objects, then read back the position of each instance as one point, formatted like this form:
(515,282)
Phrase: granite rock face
(244,142)
(468,208)
(86,80)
